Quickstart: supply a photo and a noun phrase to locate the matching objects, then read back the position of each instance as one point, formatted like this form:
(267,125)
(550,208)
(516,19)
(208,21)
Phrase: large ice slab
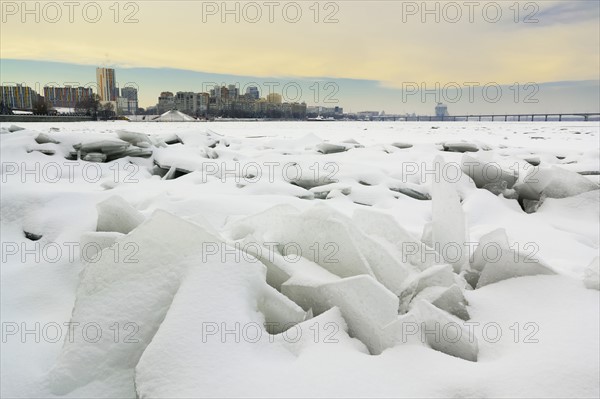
(367,306)
(445,333)
(449,299)
(460,146)
(134,137)
(115,214)
(134,291)
(553,182)
(592,275)
(487,173)
(385,228)
(92,243)
(511,264)
(434,276)
(489,247)
(449,230)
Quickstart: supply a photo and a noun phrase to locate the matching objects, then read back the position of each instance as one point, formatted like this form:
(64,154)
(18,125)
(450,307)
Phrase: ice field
(300,259)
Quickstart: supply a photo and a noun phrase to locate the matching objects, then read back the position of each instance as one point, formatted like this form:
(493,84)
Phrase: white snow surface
(248,259)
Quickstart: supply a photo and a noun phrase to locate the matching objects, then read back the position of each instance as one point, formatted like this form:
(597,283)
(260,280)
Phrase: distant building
(166,102)
(184,101)
(233,92)
(220,92)
(19,97)
(195,104)
(151,110)
(324,111)
(67,96)
(441,110)
(298,110)
(252,92)
(274,98)
(367,114)
(123,107)
(226,101)
(131,94)
(107,88)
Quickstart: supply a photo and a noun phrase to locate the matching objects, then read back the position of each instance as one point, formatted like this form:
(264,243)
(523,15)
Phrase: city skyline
(355,96)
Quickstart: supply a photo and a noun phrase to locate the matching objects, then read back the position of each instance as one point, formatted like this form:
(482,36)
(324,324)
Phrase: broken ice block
(15,128)
(92,243)
(449,230)
(592,275)
(135,291)
(489,247)
(487,173)
(553,182)
(115,214)
(402,146)
(446,333)
(385,227)
(133,137)
(367,306)
(510,264)
(94,157)
(460,147)
(328,148)
(434,276)
(43,138)
(449,299)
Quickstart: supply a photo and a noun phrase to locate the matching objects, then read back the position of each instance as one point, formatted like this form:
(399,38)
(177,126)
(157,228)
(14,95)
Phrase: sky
(397,56)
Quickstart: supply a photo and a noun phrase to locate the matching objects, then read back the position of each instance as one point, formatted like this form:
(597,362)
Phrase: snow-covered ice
(289,259)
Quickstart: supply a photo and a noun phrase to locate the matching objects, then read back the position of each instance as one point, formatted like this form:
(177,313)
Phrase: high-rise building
(130,93)
(253,92)
(67,96)
(194,104)
(107,88)
(184,101)
(19,97)
(222,93)
(233,92)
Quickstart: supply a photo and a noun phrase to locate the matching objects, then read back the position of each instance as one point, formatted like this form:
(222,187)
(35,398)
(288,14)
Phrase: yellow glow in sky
(387,41)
